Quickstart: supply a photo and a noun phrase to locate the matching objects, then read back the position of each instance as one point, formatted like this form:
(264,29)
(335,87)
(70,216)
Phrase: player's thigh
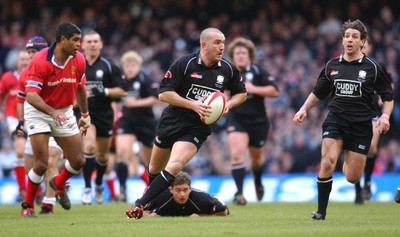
(124,144)
(89,140)
(373,149)
(330,152)
(103,147)
(159,159)
(238,142)
(71,146)
(353,166)
(181,153)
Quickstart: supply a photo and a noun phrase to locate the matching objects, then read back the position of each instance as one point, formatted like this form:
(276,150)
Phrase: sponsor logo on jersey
(334,72)
(347,88)
(62,80)
(196,75)
(197,92)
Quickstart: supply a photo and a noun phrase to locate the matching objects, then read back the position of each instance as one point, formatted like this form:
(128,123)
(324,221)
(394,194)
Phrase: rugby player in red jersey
(8,92)
(55,81)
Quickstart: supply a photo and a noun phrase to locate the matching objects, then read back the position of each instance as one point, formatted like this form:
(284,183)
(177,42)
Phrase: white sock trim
(49,200)
(69,168)
(37,179)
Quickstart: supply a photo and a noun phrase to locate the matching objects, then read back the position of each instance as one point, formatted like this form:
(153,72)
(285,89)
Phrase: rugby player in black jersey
(351,81)
(138,122)
(183,200)
(247,124)
(104,83)
(365,193)
(180,132)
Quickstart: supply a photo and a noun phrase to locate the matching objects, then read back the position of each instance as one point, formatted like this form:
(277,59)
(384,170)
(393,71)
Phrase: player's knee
(327,165)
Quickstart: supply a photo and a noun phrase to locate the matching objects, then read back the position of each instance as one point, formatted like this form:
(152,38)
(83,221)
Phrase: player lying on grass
(181,200)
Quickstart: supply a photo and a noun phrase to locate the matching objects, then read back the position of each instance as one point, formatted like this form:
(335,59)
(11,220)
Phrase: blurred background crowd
(294,40)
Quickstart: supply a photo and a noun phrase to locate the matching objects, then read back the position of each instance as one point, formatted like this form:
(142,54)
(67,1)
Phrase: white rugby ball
(217,101)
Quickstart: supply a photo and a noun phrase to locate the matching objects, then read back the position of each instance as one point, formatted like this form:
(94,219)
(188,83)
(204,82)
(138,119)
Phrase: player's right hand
(299,117)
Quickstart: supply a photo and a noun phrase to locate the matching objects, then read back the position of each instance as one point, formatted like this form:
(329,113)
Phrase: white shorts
(12,123)
(28,145)
(39,122)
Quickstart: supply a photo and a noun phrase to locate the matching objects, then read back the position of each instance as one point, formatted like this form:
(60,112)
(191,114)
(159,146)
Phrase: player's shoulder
(80,57)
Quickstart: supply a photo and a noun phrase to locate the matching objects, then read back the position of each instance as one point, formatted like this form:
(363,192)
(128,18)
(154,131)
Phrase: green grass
(255,219)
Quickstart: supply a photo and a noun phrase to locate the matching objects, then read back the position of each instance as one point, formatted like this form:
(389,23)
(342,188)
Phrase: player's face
(215,46)
(31,52)
(92,45)
(352,42)
(241,57)
(22,60)
(130,69)
(180,193)
(72,45)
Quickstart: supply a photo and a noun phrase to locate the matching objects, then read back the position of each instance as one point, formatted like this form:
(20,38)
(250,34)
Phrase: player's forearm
(171,97)
(310,102)
(81,99)
(116,92)
(20,111)
(387,107)
(236,100)
(36,101)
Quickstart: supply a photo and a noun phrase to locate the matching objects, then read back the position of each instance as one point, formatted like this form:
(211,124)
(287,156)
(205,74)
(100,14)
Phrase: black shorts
(173,128)
(356,136)
(144,131)
(257,132)
(103,121)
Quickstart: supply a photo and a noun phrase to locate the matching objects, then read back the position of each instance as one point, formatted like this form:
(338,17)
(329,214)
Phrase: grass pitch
(255,219)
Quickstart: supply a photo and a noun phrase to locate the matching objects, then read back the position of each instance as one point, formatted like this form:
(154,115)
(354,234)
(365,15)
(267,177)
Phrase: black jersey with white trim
(140,87)
(102,74)
(351,86)
(191,79)
(199,202)
(253,109)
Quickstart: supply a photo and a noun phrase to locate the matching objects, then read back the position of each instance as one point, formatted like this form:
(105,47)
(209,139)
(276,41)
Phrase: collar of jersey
(50,57)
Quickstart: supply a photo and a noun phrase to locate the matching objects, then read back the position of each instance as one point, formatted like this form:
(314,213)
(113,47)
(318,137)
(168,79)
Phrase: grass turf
(255,219)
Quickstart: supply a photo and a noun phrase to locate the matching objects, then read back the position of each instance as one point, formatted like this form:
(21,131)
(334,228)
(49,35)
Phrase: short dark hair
(357,25)
(66,29)
(181,178)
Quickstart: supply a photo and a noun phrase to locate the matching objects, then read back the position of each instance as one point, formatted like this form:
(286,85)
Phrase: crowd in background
(294,40)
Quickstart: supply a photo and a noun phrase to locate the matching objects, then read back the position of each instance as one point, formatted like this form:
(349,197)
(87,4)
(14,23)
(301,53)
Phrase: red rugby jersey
(57,85)
(21,86)
(8,91)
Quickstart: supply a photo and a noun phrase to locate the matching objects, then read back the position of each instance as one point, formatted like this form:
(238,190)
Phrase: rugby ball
(217,101)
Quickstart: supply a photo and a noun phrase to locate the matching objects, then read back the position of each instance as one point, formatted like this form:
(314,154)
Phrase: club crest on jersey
(220,81)
(249,76)
(361,75)
(73,69)
(99,74)
(334,72)
(196,75)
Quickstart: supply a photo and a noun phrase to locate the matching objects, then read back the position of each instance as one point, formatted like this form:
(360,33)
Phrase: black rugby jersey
(103,73)
(140,87)
(253,109)
(351,87)
(191,79)
(199,202)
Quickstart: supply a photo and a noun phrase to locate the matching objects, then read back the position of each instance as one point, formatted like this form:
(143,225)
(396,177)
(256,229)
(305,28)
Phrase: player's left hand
(84,123)
(383,124)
